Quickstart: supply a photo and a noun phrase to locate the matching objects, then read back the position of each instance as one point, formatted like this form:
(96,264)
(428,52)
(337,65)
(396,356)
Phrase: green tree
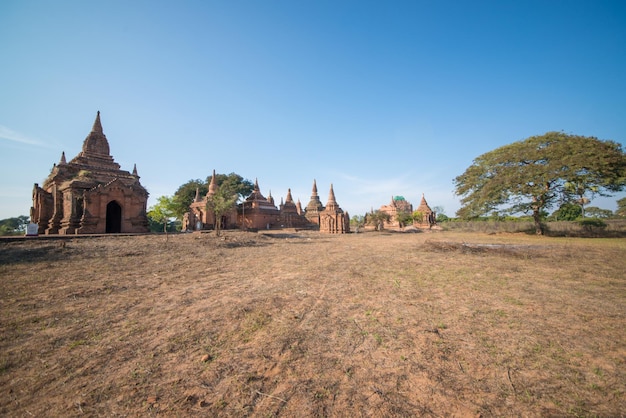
(531,176)
(621,208)
(404,218)
(184,195)
(233,182)
(567,212)
(161,213)
(13,226)
(598,213)
(417,216)
(377,219)
(221,203)
(357,222)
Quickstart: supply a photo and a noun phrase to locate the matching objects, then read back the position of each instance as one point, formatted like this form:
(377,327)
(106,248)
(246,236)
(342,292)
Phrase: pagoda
(90,194)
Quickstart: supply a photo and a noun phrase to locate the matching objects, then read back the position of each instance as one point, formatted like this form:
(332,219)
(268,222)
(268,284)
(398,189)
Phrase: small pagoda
(333,220)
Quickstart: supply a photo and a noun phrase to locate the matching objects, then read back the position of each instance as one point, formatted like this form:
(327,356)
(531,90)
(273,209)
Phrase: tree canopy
(185,194)
(160,213)
(535,174)
(13,226)
(378,219)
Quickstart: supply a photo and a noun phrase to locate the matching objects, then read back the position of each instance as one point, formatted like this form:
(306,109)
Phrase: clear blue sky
(379,98)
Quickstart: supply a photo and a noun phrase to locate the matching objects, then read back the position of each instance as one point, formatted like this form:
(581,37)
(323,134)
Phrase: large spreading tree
(540,172)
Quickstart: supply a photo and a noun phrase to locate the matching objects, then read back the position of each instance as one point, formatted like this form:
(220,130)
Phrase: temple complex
(201,217)
(258,212)
(333,220)
(397,205)
(90,194)
(291,215)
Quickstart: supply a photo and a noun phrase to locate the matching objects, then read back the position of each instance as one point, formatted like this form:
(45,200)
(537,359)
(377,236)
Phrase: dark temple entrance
(114,218)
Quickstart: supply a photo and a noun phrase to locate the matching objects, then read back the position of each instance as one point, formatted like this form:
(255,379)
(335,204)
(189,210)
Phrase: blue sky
(378,98)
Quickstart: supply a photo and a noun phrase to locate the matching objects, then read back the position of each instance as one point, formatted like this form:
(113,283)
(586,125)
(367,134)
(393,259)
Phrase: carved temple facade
(90,194)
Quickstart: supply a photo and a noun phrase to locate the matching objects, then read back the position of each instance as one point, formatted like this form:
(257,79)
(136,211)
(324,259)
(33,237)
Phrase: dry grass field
(302,324)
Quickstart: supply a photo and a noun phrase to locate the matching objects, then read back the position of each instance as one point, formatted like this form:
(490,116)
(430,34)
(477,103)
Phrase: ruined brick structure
(333,220)
(90,194)
(258,212)
(428,216)
(200,217)
(291,215)
(397,205)
(314,207)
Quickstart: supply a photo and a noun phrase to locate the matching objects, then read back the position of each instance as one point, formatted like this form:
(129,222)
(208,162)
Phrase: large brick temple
(90,194)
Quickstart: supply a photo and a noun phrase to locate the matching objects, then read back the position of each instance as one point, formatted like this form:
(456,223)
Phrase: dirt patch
(304,324)
(516,250)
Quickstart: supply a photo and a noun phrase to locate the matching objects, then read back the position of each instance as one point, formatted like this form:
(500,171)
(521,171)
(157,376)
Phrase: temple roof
(423,207)
(96,142)
(92,166)
(258,201)
(314,205)
(331,205)
(212,185)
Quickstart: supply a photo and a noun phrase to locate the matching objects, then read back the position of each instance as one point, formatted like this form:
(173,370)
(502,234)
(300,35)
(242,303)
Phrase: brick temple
(258,212)
(90,194)
(399,204)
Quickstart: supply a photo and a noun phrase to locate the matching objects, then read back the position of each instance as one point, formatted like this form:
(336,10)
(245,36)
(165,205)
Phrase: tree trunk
(537,220)
(218,225)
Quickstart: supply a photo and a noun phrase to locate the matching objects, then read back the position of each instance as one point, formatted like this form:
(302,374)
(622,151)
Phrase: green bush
(591,223)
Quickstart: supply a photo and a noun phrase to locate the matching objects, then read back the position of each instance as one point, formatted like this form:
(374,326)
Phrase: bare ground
(303,324)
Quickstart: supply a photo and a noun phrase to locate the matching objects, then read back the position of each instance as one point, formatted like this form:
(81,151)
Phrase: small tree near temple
(404,218)
(377,219)
(162,212)
(220,203)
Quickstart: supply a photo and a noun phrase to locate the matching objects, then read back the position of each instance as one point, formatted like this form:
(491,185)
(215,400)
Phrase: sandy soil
(303,324)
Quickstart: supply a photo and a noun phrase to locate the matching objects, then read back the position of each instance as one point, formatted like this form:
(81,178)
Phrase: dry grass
(302,324)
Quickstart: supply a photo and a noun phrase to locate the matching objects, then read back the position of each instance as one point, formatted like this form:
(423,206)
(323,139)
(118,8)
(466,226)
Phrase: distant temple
(90,194)
(429,217)
(258,212)
(400,205)
(314,207)
(333,220)
(397,205)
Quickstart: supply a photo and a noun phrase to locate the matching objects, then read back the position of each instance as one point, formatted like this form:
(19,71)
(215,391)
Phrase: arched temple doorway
(114,218)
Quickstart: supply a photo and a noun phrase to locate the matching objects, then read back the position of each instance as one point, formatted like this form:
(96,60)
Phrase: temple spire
(135,170)
(97,126)
(314,188)
(96,143)
(63,160)
(331,196)
(289,198)
(212,185)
